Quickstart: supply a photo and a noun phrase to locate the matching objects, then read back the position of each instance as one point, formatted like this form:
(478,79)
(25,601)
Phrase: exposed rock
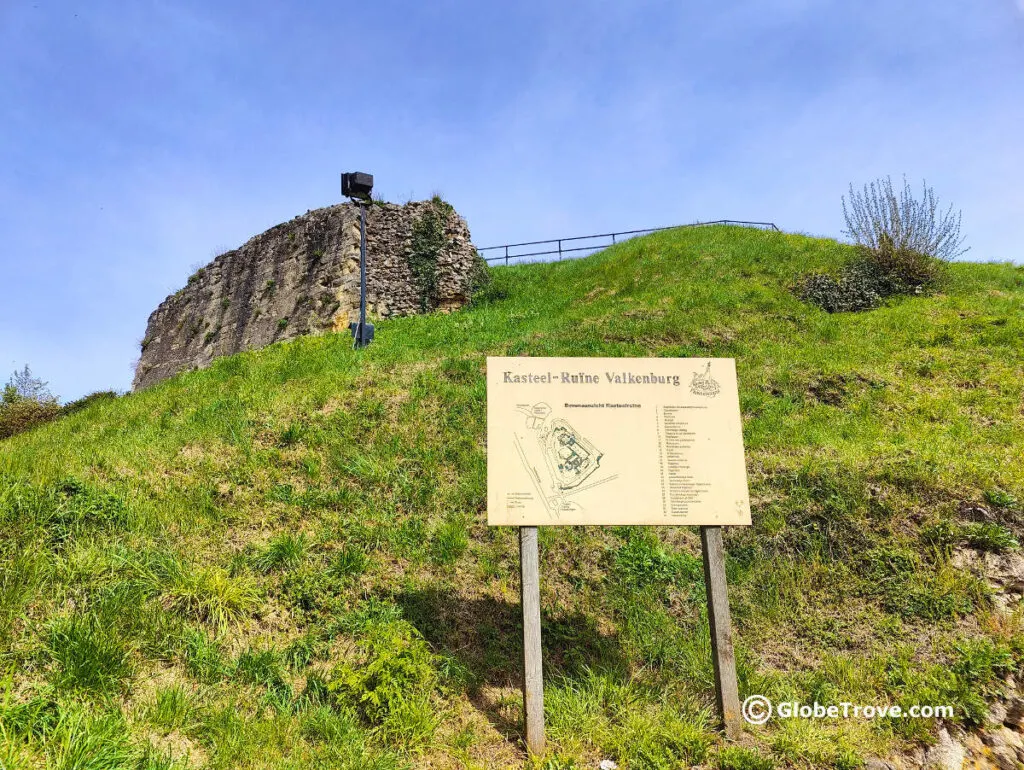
(996,712)
(1004,574)
(975,512)
(1003,736)
(946,754)
(1015,714)
(1005,758)
(874,763)
(1006,570)
(302,277)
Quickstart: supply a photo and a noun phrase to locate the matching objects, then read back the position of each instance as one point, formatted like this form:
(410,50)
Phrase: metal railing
(561,251)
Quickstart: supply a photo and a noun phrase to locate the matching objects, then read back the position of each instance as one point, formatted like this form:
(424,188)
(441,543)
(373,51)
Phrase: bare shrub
(902,246)
(879,220)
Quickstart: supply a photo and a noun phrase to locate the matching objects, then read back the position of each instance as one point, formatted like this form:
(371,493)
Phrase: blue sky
(139,139)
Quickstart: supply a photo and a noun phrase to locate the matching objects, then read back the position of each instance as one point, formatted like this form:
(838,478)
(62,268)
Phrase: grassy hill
(283,561)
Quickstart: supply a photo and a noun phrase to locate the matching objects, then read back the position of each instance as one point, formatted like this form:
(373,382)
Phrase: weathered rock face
(302,277)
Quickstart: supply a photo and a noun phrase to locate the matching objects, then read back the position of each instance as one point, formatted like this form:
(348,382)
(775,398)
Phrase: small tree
(879,220)
(25,403)
(23,386)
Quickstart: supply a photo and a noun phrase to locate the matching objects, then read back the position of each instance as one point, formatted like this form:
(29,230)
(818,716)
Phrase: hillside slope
(283,561)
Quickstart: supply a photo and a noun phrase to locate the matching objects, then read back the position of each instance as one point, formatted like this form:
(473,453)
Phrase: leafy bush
(856,288)
(86,401)
(906,270)
(479,279)
(25,414)
(392,685)
(497,287)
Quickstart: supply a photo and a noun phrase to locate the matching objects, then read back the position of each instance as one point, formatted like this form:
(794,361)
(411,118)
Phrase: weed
(309,590)
(204,658)
(1001,499)
(982,664)
(987,536)
(262,667)
(88,656)
(449,542)
(642,562)
(292,434)
(303,651)
(285,551)
(20,575)
(740,758)
(81,742)
(349,561)
(211,595)
(326,725)
(393,684)
(172,708)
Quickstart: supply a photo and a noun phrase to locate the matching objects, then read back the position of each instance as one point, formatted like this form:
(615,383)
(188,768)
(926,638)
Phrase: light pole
(357,186)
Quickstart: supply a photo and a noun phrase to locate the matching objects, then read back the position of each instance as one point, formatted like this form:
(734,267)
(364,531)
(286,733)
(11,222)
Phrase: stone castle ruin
(302,277)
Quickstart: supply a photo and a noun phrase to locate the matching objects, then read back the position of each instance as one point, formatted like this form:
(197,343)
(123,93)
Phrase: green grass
(283,560)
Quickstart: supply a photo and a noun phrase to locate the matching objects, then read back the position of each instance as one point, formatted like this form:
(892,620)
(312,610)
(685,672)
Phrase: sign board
(580,441)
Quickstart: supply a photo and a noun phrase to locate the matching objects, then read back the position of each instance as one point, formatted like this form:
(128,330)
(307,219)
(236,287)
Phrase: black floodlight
(357,185)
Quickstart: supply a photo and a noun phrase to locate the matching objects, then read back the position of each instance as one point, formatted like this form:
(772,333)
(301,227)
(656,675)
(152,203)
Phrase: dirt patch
(179,748)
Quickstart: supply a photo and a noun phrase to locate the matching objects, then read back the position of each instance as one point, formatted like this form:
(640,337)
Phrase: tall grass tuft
(88,655)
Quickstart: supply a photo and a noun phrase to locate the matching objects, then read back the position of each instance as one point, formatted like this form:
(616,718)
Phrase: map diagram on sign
(560,461)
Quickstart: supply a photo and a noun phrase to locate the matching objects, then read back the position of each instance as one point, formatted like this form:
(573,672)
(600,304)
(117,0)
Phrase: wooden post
(726,687)
(533,680)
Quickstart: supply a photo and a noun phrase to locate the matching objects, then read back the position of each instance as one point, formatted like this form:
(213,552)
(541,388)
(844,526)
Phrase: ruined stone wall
(302,277)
